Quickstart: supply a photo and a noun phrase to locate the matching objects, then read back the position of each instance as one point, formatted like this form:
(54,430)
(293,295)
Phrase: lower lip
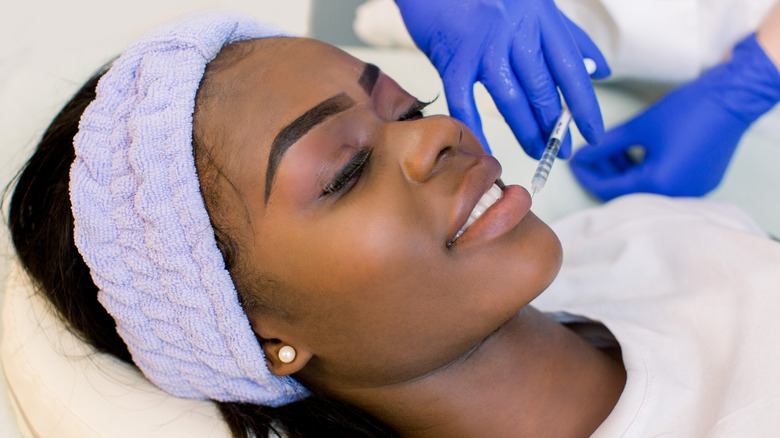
(499,219)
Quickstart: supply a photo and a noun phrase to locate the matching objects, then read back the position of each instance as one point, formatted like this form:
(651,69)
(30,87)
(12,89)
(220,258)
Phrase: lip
(499,218)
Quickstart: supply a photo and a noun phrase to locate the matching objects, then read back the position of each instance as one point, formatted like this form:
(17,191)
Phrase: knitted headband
(142,227)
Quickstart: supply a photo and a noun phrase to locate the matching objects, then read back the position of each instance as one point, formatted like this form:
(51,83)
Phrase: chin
(547,251)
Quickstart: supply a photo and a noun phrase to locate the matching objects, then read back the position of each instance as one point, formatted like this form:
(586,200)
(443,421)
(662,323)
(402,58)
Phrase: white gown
(691,290)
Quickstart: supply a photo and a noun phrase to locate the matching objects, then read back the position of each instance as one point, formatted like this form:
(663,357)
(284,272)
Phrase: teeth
(489,198)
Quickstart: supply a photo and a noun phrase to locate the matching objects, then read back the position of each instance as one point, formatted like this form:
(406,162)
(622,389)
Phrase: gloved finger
(620,161)
(458,81)
(530,68)
(616,141)
(609,186)
(614,163)
(611,156)
(565,151)
(511,101)
(588,49)
(605,166)
(567,68)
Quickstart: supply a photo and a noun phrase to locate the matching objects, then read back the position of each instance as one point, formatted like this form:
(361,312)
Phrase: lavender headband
(142,227)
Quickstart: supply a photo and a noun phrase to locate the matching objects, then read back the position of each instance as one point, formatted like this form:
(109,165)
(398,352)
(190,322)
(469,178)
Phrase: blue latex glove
(688,136)
(520,50)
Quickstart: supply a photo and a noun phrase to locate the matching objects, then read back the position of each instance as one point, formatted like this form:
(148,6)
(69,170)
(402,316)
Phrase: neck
(532,377)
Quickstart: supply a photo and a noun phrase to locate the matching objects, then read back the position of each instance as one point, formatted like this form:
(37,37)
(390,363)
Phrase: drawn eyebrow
(369,77)
(291,133)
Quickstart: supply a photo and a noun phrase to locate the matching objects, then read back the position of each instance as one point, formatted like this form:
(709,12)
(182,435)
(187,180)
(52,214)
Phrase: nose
(424,144)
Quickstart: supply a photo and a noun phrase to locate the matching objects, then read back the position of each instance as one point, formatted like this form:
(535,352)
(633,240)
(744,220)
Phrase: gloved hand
(520,50)
(688,136)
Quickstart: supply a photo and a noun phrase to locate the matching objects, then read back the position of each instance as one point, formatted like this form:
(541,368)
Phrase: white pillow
(63,388)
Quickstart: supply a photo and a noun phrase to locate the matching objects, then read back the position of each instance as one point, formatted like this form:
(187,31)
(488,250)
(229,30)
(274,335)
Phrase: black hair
(41,226)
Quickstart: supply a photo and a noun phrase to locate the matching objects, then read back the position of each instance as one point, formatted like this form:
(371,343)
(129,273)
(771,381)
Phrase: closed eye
(415,111)
(348,174)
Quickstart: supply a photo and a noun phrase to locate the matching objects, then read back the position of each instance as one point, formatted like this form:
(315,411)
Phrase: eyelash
(354,168)
(351,171)
(416,111)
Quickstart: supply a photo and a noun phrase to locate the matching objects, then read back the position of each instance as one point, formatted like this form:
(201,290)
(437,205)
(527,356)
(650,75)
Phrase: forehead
(270,83)
(289,73)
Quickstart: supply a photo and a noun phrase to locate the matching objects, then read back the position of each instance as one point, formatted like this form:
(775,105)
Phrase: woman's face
(355,216)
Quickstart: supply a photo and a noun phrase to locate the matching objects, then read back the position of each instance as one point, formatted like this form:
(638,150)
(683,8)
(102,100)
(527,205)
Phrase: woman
(346,222)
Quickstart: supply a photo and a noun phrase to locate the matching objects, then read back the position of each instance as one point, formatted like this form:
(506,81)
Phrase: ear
(286,367)
(275,335)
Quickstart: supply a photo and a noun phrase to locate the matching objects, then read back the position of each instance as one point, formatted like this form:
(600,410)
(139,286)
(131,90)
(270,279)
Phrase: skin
(433,339)
(768,34)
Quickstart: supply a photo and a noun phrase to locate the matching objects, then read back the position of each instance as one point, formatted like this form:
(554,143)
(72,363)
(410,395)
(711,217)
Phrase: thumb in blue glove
(689,136)
(520,50)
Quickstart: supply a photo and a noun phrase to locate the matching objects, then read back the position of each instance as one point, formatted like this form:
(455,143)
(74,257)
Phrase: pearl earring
(286,354)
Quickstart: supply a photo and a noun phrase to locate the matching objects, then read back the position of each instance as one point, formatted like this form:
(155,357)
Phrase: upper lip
(478,179)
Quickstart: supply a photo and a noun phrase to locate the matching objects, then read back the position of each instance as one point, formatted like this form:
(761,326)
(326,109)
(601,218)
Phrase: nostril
(445,153)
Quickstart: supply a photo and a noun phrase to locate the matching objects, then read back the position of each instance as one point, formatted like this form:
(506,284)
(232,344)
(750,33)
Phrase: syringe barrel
(546,162)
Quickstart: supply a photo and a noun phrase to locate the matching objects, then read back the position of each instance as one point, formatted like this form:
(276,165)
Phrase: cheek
(358,257)
(379,299)
(371,294)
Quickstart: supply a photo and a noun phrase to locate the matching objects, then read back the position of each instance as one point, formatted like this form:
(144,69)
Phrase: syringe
(556,138)
(551,150)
